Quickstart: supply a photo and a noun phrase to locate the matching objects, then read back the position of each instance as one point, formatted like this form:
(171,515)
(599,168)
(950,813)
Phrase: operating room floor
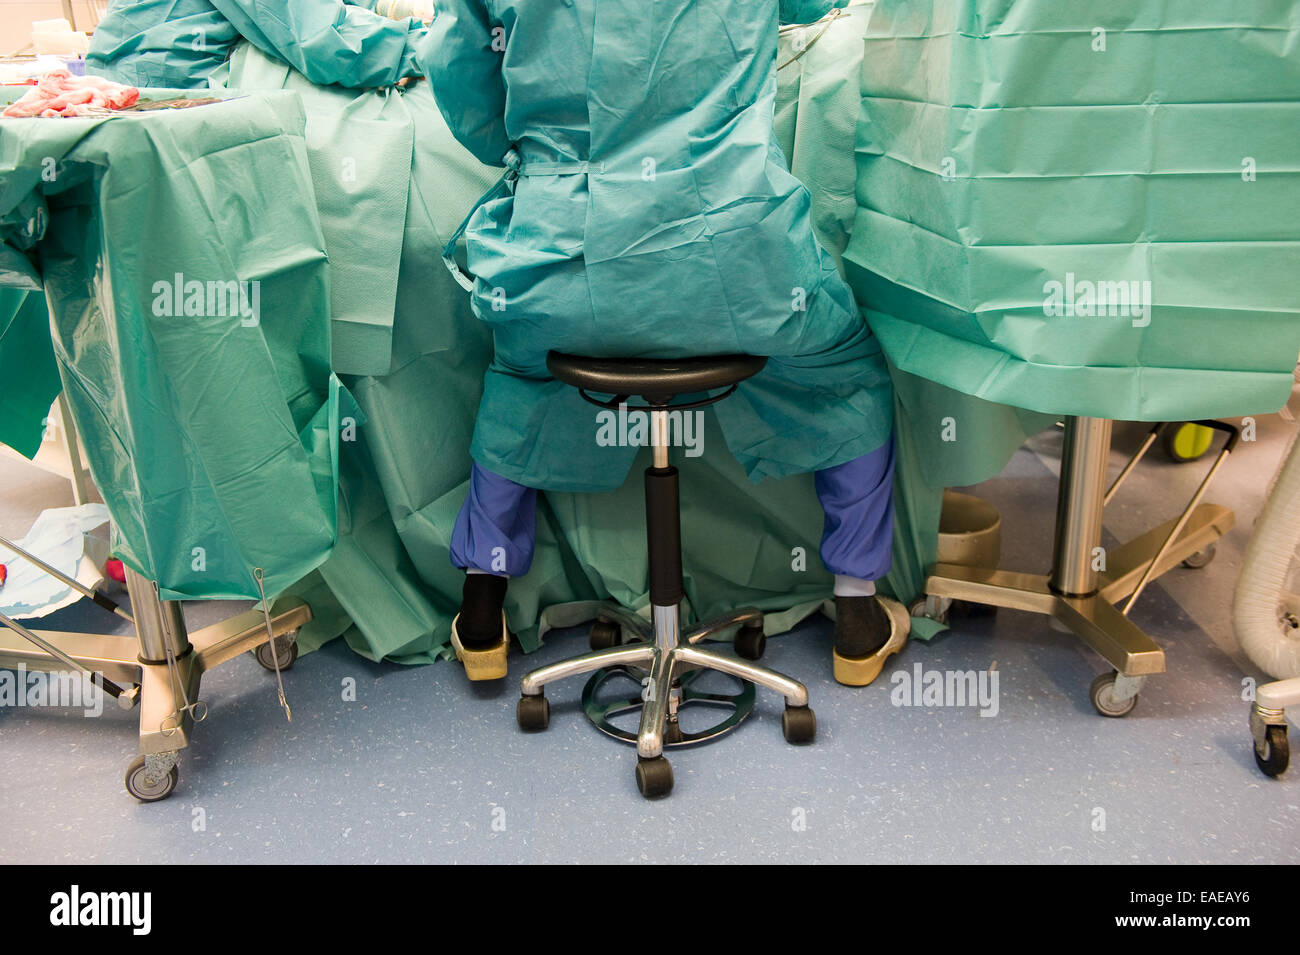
(422,768)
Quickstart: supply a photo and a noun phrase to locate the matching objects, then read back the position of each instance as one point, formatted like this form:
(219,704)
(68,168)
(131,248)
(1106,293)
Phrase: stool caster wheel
(1101,693)
(604,635)
(533,713)
(654,777)
(1277,752)
(284,648)
(750,642)
(1201,558)
(799,724)
(150,790)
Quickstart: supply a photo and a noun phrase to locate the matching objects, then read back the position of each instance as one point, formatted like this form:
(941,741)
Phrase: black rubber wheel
(288,653)
(654,777)
(799,724)
(750,642)
(1201,558)
(533,713)
(145,790)
(1277,752)
(604,635)
(1105,703)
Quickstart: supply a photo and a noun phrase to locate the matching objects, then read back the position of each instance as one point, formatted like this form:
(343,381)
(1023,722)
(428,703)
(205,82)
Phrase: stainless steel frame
(1077,595)
(162,660)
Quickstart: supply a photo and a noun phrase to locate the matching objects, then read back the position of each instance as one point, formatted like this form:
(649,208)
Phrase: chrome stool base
(661,659)
(603,713)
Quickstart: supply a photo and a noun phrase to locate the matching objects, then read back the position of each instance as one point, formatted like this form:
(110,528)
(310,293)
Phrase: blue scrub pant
(497,525)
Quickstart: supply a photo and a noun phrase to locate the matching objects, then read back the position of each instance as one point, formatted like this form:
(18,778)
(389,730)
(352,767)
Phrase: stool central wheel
(664,663)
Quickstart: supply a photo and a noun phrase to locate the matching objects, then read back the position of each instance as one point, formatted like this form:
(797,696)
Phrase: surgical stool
(664,662)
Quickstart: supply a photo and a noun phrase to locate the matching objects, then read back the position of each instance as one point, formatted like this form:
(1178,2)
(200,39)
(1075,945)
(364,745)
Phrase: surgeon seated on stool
(648,212)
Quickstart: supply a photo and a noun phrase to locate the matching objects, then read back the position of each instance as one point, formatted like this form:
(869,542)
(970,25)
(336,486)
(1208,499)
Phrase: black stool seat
(653,378)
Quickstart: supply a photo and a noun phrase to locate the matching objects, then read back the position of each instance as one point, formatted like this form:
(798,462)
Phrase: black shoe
(479,623)
(862,626)
(866,635)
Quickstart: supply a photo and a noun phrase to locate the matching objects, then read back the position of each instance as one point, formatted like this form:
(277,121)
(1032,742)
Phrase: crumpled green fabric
(817,106)
(178,43)
(29,376)
(1010,144)
(210,423)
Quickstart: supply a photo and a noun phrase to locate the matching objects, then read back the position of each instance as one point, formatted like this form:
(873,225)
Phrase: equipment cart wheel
(1277,752)
(750,642)
(934,608)
(1201,558)
(533,713)
(654,777)
(604,635)
(285,652)
(799,724)
(1102,694)
(145,789)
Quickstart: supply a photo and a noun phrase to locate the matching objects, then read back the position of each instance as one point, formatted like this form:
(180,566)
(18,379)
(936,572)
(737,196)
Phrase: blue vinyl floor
(423,768)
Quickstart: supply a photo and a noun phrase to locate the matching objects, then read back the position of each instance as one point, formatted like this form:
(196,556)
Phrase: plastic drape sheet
(193,345)
(1088,209)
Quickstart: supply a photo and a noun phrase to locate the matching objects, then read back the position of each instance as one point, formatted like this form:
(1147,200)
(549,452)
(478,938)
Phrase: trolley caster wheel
(750,642)
(654,777)
(799,724)
(533,713)
(1201,558)
(1277,752)
(932,608)
(604,635)
(285,652)
(149,790)
(1101,694)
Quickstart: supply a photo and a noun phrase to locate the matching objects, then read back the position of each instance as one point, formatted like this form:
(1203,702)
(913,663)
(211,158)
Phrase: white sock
(854,587)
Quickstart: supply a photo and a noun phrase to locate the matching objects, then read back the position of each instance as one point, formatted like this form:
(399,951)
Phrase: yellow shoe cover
(862,670)
(489,664)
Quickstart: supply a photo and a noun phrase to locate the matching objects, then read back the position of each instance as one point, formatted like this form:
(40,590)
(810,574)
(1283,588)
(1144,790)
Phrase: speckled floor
(421,767)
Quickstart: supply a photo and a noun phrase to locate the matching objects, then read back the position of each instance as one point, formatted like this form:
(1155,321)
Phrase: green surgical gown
(654,215)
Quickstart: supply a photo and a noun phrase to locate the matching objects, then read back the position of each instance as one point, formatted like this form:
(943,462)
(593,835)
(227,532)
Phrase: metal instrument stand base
(162,733)
(1094,618)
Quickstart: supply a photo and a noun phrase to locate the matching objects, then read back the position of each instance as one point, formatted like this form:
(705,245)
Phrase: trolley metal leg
(1078,594)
